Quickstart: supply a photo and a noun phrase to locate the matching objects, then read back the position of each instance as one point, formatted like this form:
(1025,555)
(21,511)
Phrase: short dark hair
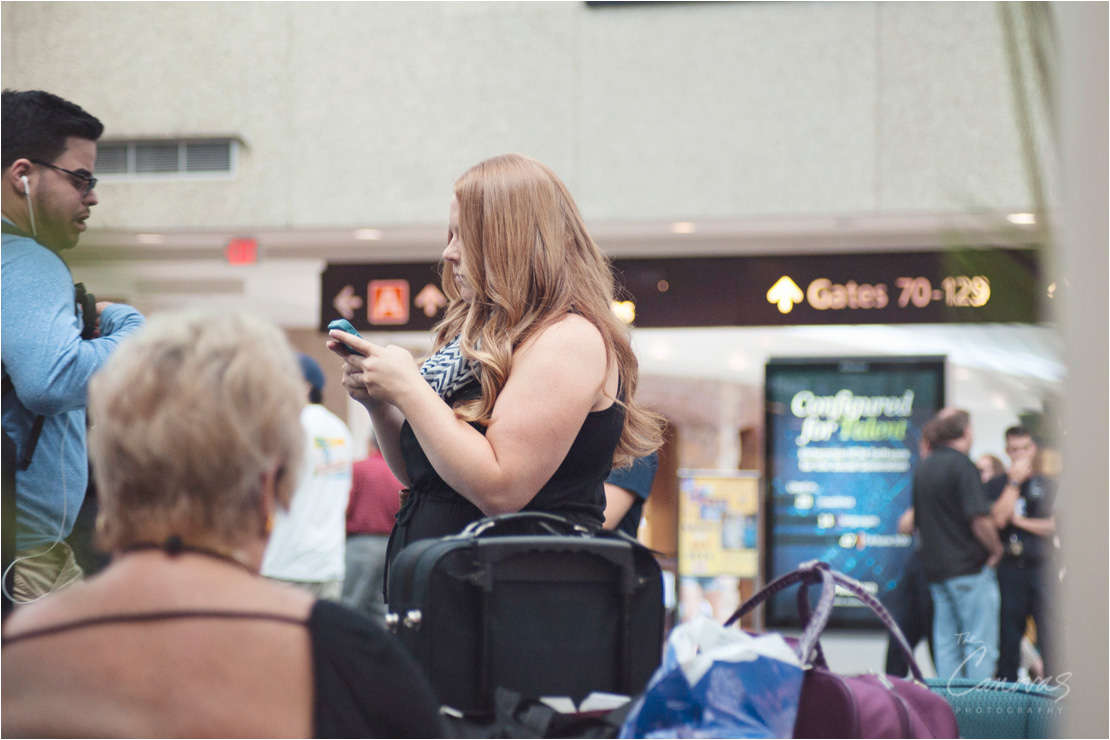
(1020,431)
(949,425)
(315,395)
(36,125)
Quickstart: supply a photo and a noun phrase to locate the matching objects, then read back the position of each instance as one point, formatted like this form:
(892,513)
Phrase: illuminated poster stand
(843,438)
(718,539)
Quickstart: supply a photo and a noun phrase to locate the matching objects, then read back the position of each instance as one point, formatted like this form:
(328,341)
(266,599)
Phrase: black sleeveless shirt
(576,491)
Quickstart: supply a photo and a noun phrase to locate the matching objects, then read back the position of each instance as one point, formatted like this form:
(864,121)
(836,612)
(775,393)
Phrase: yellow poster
(718,526)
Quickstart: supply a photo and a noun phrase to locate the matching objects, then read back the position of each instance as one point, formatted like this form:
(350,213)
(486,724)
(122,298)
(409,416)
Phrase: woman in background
(990,467)
(196,443)
(529,397)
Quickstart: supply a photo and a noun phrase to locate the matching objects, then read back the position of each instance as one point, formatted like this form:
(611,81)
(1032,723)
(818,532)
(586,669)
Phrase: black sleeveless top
(576,491)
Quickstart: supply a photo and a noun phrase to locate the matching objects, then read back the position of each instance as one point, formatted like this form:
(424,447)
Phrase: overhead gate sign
(965,286)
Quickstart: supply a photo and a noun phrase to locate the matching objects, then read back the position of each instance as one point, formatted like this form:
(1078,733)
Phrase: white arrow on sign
(346,302)
(431,299)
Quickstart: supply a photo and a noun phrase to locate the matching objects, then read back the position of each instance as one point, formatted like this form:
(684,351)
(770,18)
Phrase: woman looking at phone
(529,398)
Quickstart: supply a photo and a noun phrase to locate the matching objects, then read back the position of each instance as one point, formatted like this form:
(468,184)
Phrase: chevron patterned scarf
(447,371)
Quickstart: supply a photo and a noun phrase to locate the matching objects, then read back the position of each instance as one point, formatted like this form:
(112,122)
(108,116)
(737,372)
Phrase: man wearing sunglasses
(46,193)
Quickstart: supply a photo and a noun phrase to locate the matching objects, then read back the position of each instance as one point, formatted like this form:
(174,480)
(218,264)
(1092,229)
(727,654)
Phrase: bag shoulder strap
(813,572)
(32,437)
(85,306)
(32,442)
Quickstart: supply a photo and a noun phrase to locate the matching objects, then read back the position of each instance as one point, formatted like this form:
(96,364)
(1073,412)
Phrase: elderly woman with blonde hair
(529,399)
(196,442)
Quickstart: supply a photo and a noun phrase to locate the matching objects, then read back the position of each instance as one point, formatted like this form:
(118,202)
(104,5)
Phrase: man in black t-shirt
(1024,510)
(959,549)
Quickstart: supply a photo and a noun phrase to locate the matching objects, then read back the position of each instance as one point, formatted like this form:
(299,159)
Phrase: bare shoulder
(146,584)
(571,337)
(574,347)
(55,608)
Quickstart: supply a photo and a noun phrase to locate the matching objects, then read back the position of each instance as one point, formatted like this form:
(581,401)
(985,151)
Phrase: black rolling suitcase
(564,613)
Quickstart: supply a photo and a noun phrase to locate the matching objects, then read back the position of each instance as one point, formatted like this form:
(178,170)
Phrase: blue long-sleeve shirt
(50,366)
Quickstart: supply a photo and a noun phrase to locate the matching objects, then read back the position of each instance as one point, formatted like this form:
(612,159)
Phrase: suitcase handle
(541,518)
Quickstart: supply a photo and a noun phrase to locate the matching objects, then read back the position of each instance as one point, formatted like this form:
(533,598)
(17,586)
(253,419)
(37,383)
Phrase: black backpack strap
(32,438)
(32,442)
(86,301)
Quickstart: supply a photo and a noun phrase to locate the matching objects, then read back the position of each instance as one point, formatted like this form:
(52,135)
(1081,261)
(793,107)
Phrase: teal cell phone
(344,325)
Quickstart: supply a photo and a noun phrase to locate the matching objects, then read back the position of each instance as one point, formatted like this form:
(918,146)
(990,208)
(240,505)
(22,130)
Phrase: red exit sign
(242,252)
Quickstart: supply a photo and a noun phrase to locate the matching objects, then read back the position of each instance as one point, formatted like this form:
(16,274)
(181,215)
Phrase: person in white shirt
(308,541)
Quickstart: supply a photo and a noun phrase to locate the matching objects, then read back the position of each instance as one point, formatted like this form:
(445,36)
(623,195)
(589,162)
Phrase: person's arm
(52,363)
(1003,508)
(116,321)
(1039,527)
(977,512)
(617,503)
(987,533)
(557,378)
(906,522)
(385,417)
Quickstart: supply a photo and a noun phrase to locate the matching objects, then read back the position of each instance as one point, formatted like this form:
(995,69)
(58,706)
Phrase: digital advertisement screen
(843,438)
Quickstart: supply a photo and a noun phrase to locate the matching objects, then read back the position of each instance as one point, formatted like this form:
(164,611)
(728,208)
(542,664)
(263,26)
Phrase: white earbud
(30,208)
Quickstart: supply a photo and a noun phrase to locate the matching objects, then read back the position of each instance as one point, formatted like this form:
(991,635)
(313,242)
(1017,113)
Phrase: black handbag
(565,613)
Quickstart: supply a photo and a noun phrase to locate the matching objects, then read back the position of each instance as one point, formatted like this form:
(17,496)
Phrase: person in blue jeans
(960,549)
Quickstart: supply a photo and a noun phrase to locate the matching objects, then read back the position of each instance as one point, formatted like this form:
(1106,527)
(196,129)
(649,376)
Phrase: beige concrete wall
(363,113)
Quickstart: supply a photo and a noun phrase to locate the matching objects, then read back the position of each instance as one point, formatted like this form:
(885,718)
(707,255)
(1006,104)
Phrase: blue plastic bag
(717,682)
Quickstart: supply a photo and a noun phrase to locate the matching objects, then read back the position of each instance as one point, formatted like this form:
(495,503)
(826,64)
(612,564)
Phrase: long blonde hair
(530,262)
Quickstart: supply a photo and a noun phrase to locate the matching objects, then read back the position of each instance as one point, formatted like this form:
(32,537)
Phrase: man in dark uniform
(1024,510)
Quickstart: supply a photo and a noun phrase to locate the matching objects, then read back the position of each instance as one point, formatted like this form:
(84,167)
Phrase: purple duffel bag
(870,705)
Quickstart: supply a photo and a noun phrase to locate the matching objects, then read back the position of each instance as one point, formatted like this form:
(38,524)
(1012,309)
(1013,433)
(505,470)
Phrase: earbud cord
(31,213)
(61,526)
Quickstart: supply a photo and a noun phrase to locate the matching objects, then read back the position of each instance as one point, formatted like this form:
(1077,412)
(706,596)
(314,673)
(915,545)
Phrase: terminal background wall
(364,113)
